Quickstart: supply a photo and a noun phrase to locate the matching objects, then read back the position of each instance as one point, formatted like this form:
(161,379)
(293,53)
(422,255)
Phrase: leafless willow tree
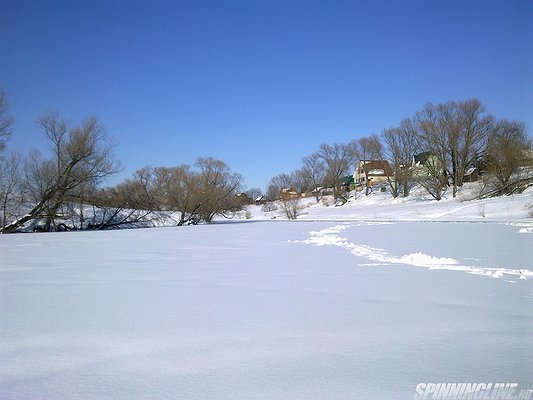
(139,200)
(197,194)
(147,190)
(126,204)
(180,191)
(217,188)
(81,155)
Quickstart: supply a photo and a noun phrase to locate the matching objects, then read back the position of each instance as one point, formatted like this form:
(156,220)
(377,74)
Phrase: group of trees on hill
(67,184)
(459,136)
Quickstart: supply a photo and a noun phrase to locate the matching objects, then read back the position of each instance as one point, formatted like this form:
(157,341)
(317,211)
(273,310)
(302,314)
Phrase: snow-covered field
(334,307)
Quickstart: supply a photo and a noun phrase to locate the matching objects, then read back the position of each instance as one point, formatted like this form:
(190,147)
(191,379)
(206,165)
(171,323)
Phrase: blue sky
(258,84)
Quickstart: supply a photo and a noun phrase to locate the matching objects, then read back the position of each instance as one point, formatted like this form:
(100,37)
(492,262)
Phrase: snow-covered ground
(352,302)
(419,206)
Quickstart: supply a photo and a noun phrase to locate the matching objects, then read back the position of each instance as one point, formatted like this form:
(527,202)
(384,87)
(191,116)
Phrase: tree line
(459,136)
(198,192)
(66,186)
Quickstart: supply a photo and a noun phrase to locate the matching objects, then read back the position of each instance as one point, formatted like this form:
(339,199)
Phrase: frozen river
(264,310)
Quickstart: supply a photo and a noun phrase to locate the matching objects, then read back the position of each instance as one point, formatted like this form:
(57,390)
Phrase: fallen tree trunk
(32,214)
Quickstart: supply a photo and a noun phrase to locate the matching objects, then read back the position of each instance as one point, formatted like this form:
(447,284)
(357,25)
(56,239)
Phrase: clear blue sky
(258,84)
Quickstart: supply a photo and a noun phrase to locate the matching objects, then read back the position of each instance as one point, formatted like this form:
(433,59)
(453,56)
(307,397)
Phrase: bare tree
(118,206)
(400,146)
(455,135)
(508,154)
(11,189)
(180,191)
(280,188)
(365,149)
(6,122)
(77,204)
(196,194)
(81,154)
(467,137)
(369,148)
(433,124)
(300,181)
(314,170)
(217,188)
(277,185)
(338,158)
(254,193)
(148,189)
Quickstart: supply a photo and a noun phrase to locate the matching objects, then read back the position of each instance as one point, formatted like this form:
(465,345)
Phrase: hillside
(417,207)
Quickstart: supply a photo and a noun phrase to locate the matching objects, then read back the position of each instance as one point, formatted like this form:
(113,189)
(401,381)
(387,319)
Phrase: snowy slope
(417,207)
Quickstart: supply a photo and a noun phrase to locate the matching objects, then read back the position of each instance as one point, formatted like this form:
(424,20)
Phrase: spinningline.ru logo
(468,391)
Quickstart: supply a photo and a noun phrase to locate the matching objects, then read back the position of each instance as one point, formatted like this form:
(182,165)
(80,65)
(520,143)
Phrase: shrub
(270,206)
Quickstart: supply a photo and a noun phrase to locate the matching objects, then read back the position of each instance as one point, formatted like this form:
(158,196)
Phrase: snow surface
(335,309)
(419,206)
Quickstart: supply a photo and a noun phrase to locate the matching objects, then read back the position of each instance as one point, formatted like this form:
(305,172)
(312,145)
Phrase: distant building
(424,164)
(377,170)
(349,182)
(289,194)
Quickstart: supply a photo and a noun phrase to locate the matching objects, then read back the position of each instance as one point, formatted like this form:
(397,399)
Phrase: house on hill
(349,182)
(289,194)
(377,170)
(424,164)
